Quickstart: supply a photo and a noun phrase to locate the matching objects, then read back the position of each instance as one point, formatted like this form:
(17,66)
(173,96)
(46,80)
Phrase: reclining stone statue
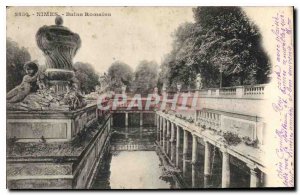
(34,93)
(28,84)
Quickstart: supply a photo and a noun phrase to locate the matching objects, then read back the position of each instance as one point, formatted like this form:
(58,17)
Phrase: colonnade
(169,137)
(127,119)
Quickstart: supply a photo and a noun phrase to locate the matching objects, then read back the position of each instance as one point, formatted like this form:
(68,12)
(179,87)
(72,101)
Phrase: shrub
(231,138)
(249,142)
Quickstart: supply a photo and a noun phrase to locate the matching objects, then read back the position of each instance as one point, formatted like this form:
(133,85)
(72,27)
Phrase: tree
(145,77)
(232,44)
(16,57)
(120,74)
(223,45)
(87,76)
(176,66)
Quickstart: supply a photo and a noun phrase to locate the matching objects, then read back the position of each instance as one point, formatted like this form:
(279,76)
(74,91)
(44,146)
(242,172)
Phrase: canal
(135,161)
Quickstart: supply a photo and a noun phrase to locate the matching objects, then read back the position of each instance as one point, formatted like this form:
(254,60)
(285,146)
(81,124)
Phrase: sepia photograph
(150,98)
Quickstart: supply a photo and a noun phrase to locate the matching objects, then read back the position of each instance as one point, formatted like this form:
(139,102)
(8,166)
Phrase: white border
(3,5)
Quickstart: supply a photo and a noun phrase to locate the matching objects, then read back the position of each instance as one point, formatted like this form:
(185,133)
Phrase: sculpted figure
(199,81)
(29,84)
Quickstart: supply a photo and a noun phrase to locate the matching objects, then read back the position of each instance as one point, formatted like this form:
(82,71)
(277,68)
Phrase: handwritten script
(282,29)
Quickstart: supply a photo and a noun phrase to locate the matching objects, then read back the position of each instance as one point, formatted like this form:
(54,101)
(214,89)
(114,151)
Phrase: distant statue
(29,84)
(124,89)
(199,81)
(178,87)
(156,90)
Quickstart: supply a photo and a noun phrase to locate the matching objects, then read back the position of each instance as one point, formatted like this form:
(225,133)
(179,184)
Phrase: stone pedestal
(73,167)
(53,126)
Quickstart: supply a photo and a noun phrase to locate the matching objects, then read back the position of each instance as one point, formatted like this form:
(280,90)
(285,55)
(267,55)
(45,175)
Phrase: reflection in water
(137,169)
(134,162)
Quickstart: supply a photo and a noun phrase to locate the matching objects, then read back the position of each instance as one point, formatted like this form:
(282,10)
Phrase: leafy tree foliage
(87,76)
(222,41)
(120,74)
(16,57)
(145,77)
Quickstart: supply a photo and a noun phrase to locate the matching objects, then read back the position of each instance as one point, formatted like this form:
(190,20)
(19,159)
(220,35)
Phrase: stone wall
(60,172)
(53,126)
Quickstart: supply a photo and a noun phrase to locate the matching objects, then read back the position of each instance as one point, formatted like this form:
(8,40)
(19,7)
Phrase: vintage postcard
(150,97)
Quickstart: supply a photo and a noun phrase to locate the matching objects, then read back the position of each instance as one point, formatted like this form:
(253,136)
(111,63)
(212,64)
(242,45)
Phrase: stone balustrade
(208,119)
(246,91)
(248,127)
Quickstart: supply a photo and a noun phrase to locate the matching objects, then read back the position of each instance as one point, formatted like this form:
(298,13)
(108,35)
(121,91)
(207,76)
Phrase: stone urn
(59,46)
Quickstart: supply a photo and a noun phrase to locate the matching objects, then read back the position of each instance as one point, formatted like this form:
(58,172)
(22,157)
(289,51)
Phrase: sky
(130,34)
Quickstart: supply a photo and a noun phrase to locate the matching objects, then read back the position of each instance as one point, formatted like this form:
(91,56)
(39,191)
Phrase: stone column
(126,132)
(164,133)
(126,119)
(194,159)
(109,124)
(111,120)
(177,145)
(160,130)
(185,150)
(157,128)
(141,133)
(194,149)
(141,119)
(168,138)
(225,169)
(207,163)
(254,178)
(172,140)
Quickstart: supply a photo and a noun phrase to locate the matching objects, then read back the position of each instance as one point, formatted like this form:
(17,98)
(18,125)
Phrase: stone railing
(248,128)
(246,91)
(255,90)
(208,120)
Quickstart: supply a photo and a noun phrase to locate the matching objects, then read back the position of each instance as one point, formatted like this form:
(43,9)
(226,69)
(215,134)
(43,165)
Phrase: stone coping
(235,115)
(47,114)
(55,151)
